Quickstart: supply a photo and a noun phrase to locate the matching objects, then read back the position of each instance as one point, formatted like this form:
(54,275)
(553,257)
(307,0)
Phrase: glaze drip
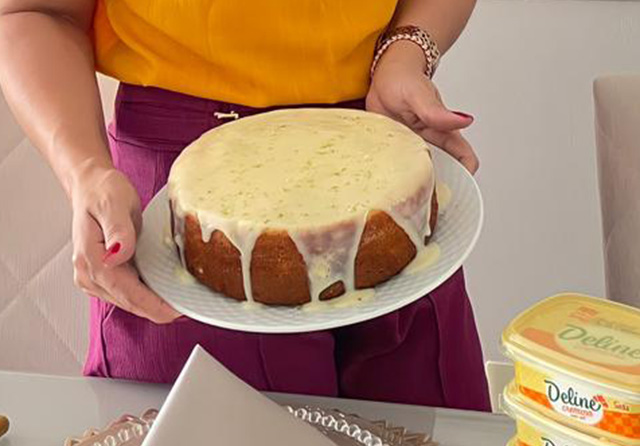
(330,255)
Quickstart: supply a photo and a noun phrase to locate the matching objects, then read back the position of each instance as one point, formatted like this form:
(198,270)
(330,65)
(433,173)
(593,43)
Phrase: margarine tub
(577,360)
(534,429)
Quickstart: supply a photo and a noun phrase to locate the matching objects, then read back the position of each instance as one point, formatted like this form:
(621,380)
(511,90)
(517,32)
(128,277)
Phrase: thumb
(119,236)
(436,116)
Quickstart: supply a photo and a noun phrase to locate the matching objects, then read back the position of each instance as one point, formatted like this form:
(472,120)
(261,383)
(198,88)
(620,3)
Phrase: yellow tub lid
(591,338)
(512,404)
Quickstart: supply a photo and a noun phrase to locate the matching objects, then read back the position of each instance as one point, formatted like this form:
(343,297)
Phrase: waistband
(165,120)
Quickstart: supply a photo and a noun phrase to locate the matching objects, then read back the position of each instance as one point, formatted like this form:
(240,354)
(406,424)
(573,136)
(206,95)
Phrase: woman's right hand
(106,221)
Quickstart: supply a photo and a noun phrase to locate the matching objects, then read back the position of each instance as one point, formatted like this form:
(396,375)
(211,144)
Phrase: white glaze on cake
(444,194)
(347,300)
(315,173)
(424,259)
(184,276)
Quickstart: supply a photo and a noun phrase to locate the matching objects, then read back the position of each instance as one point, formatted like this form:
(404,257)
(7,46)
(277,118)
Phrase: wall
(525,69)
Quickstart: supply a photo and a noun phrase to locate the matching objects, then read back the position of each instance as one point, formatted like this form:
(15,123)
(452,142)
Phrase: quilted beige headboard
(43,318)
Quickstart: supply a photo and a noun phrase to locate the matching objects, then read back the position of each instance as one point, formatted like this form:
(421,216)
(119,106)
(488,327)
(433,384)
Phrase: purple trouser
(426,353)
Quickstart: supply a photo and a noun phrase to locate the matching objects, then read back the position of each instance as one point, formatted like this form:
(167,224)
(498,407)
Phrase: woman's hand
(401,90)
(106,219)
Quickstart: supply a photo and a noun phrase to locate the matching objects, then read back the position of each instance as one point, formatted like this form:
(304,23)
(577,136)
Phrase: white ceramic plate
(456,234)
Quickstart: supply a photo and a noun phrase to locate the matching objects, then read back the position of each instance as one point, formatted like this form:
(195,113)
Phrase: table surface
(44,410)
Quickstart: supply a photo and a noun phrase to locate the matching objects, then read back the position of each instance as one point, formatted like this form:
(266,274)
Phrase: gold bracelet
(414,34)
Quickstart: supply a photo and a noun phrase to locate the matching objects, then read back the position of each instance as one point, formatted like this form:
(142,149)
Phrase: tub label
(575,402)
(601,343)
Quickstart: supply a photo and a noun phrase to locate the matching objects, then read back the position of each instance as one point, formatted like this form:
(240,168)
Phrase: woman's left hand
(400,89)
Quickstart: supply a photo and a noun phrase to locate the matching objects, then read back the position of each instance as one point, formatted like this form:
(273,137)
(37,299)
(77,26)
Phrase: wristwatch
(414,34)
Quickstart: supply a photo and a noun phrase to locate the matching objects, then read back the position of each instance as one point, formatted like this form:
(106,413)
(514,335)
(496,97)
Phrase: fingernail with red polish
(463,115)
(115,248)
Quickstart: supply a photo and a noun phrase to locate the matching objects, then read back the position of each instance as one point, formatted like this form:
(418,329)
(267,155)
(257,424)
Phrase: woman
(183,69)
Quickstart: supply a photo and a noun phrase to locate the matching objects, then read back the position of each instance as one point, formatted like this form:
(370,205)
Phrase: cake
(302,205)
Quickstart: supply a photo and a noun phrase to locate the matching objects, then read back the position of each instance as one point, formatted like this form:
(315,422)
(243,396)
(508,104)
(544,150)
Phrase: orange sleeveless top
(251,52)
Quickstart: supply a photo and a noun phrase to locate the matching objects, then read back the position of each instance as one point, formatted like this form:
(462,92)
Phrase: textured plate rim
(329,324)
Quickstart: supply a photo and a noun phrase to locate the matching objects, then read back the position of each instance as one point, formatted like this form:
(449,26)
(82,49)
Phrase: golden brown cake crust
(278,271)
